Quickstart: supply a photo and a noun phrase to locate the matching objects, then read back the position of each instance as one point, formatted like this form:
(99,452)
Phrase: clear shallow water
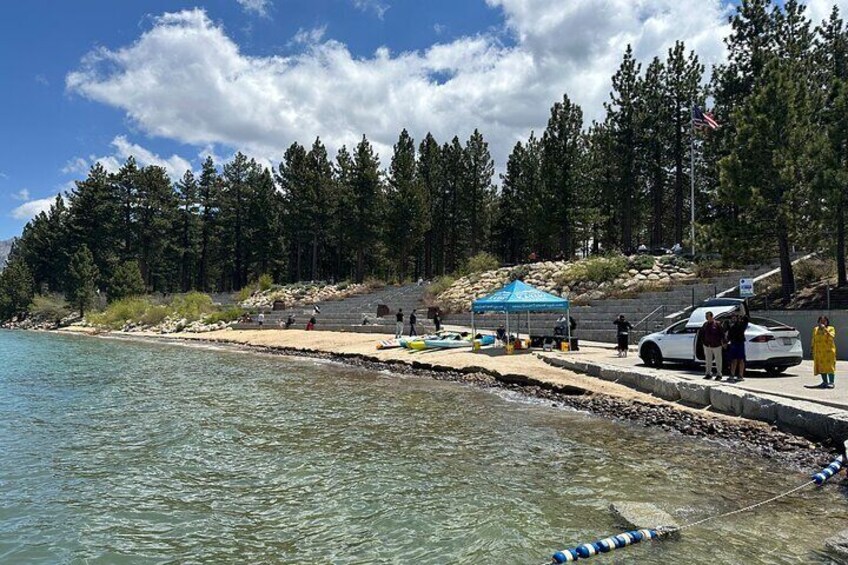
(125,452)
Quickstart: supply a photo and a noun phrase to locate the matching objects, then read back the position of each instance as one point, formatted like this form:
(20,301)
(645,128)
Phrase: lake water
(130,452)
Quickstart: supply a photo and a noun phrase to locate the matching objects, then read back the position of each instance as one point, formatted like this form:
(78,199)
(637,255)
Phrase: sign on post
(746,288)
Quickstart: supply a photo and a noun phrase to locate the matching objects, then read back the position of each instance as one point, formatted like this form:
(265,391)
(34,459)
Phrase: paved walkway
(793,383)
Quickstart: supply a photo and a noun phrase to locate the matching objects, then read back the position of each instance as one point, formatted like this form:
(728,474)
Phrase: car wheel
(774,371)
(651,355)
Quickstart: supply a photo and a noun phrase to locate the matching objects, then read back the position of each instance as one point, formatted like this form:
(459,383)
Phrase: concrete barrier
(726,399)
(694,393)
(805,418)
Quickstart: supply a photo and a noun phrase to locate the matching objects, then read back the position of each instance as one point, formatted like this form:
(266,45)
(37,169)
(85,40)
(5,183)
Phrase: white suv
(769,344)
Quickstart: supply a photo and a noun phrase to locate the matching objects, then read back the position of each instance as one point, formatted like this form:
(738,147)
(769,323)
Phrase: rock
(643,515)
(727,399)
(653,277)
(640,277)
(838,545)
(646,271)
(632,272)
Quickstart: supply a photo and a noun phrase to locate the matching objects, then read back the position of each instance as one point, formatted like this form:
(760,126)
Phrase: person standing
(310,325)
(261,319)
(736,349)
(622,333)
(413,319)
(399,323)
(824,352)
(437,321)
(711,335)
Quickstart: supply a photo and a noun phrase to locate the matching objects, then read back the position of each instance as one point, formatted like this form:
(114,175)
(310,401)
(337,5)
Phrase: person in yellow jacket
(824,352)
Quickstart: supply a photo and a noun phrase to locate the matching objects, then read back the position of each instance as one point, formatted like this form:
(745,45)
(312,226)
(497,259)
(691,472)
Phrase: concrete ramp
(643,515)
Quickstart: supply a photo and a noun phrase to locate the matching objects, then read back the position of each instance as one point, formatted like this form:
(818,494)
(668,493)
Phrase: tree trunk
(787,277)
(314,256)
(428,255)
(840,244)
(678,181)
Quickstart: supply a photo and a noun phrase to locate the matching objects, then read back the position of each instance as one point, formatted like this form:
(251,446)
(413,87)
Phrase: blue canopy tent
(517,297)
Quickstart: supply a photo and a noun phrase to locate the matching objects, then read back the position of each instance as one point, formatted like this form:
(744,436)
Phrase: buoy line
(605,545)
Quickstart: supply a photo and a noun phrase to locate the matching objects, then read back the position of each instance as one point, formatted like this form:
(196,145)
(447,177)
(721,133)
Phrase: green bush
(676,261)
(374,283)
(814,270)
(605,269)
(229,314)
(481,263)
(154,315)
(52,307)
(642,262)
(265,282)
(519,272)
(118,312)
(192,306)
(126,281)
(440,285)
(707,269)
(343,285)
(245,293)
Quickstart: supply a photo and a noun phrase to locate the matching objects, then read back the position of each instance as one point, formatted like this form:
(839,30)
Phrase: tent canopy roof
(518,296)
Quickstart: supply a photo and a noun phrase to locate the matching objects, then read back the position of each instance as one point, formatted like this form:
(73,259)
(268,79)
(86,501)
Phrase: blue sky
(171,82)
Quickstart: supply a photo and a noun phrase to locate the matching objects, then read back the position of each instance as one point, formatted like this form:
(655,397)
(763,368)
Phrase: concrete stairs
(348,314)
(648,311)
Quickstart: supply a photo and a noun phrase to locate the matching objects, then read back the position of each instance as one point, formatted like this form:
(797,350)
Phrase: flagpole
(692,173)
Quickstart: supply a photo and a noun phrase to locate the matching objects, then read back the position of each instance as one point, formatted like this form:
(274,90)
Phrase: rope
(667,531)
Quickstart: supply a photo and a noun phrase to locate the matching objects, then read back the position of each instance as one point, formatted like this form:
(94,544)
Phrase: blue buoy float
(605,545)
(822,476)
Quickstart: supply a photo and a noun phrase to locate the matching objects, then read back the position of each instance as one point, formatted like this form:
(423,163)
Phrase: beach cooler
(564,346)
(509,348)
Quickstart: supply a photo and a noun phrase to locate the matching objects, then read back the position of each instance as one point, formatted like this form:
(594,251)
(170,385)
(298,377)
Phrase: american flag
(701,119)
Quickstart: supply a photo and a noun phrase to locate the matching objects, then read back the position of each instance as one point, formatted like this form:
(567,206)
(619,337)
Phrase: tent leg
(507,327)
(473,326)
(568,321)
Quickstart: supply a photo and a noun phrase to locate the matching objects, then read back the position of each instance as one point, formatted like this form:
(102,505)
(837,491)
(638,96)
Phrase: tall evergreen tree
(156,231)
(17,289)
(407,207)
(209,189)
(126,281)
(367,202)
(94,214)
(82,280)
(317,205)
(292,180)
(235,198)
(477,192)
(430,174)
(265,221)
(190,235)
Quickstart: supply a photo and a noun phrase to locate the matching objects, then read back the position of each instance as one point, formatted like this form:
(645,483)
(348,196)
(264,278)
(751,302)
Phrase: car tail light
(763,339)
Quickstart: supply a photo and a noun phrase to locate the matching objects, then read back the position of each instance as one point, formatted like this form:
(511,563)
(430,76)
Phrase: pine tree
(341,228)
(82,280)
(125,186)
(235,198)
(126,281)
(653,121)
(292,180)
(265,221)
(453,238)
(621,110)
(209,189)
(190,231)
(17,289)
(93,222)
(477,192)
(317,206)
(430,174)
(157,230)
(510,228)
(367,202)
(407,207)
(561,155)
(683,77)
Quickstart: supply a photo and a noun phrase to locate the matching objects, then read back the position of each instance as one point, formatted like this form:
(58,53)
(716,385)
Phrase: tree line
(773,177)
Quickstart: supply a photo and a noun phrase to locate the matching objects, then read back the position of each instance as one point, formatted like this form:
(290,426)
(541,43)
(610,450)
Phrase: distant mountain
(5,247)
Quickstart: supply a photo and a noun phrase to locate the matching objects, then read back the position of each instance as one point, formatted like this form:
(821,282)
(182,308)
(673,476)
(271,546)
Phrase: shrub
(642,262)
(605,269)
(155,314)
(675,261)
(814,270)
(481,262)
(708,269)
(49,307)
(519,272)
(229,314)
(265,282)
(343,285)
(192,306)
(374,283)
(118,312)
(245,293)
(440,285)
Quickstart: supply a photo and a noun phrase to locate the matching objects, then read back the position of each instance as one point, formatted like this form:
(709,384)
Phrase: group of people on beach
(413,319)
(716,337)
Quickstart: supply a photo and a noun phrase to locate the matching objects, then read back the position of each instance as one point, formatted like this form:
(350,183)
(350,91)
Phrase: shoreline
(572,390)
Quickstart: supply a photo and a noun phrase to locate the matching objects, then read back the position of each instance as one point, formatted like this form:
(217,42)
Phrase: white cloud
(377,6)
(258,7)
(123,149)
(185,79)
(22,194)
(78,166)
(439,28)
(309,36)
(29,210)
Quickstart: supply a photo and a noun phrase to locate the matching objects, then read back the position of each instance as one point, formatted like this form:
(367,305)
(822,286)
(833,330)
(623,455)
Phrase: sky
(171,82)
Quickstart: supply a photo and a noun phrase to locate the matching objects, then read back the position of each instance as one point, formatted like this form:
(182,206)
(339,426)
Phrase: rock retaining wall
(814,421)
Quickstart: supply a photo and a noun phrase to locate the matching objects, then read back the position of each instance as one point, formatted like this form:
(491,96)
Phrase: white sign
(746,288)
